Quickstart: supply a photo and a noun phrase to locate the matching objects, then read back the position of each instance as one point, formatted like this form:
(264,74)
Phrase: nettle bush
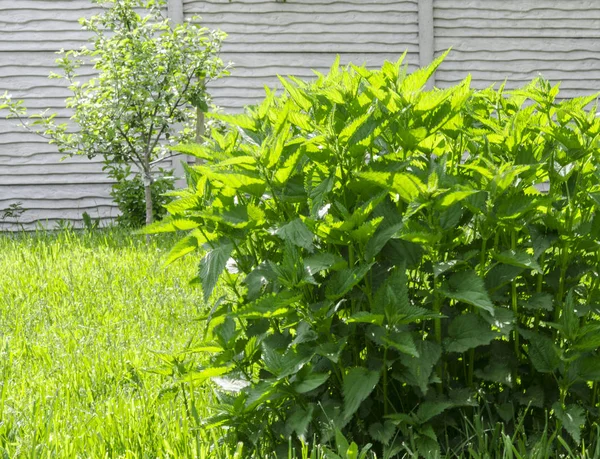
(395,259)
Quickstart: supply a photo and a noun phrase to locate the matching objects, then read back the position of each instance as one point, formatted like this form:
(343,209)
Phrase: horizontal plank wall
(491,39)
(267,38)
(31,171)
(519,39)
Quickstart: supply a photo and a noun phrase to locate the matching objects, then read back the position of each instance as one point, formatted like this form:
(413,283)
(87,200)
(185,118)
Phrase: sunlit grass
(81,319)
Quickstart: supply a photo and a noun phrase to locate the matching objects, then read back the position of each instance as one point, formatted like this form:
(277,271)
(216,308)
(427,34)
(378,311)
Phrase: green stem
(538,288)
(437,324)
(482,257)
(385,383)
(564,258)
(514,302)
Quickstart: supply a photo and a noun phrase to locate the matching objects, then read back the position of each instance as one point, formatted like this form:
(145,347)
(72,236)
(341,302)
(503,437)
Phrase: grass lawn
(82,317)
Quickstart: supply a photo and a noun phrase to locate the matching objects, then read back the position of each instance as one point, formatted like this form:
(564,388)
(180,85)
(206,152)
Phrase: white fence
(493,40)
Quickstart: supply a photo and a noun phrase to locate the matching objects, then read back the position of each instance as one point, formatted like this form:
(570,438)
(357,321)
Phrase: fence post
(175,13)
(426,36)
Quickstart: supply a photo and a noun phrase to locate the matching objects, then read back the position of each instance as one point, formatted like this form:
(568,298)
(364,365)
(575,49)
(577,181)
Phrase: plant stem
(437,324)
(482,256)
(538,288)
(385,383)
(514,302)
(564,257)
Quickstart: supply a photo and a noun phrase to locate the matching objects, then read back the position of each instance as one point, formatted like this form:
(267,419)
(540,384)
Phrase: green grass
(84,318)
(81,319)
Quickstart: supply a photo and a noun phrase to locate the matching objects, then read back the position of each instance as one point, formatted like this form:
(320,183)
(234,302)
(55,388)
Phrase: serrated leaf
(170,225)
(519,259)
(343,281)
(268,306)
(572,418)
(298,96)
(588,338)
(418,370)
(322,261)
(259,278)
(310,382)
(430,409)
(503,319)
(299,420)
(407,186)
(282,365)
(468,287)
(542,353)
(383,433)
(539,301)
(364,317)
(183,247)
(497,371)
(357,386)
(380,239)
(332,351)
(468,331)
(392,300)
(198,377)
(455,196)
(297,233)
(212,266)
(588,368)
(427,443)
(402,342)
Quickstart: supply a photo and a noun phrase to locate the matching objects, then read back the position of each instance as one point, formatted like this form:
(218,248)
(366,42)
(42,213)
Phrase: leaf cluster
(394,256)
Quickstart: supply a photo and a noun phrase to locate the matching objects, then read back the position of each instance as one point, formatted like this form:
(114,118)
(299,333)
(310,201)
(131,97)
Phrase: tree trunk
(148,192)
(199,129)
(148,197)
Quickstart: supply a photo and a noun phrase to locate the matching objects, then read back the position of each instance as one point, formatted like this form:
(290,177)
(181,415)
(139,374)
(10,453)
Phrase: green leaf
(392,300)
(269,306)
(572,418)
(519,259)
(282,365)
(297,95)
(198,377)
(383,433)
(258,279)
(183,247)
(380,239)
(542,352)
(297,233)
(170,225)
(455,196)
(468,331)
(418,369)
(539,301)
(299,420)
(588,338)
(212,266)
(427,443)
(414,82)
(407,186)
(402,342)
(365,317)
(323,261)
(497,371)
(467,287)
(332,351)
(310,382)
(588,368)
(343,281)
(357,386)
(430,409)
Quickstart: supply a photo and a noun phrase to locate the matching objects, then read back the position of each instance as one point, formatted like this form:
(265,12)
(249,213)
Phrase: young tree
(151,81)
